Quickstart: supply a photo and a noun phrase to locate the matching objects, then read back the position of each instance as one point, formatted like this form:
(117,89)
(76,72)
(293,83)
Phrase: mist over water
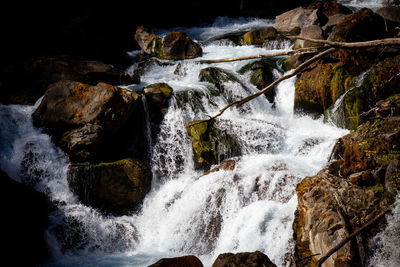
(187,212)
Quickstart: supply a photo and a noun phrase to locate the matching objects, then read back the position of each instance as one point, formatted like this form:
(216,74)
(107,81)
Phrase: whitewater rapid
(187,212)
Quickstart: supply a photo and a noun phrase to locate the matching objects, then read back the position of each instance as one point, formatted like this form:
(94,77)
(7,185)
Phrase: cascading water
(250,207)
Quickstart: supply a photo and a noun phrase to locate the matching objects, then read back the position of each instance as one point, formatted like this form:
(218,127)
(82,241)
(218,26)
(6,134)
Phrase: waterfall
(248,207)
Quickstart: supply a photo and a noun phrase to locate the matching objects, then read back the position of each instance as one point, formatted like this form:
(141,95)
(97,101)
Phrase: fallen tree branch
(274,83)
(301,51)
(347,239)
(373,43)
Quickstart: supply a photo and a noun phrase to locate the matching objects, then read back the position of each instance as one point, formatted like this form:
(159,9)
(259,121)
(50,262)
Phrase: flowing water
(187,212)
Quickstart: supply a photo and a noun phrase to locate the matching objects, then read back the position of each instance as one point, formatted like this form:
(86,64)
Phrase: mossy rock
(259,36)
(261,75)
(381,82)
(116,187)
(211,145)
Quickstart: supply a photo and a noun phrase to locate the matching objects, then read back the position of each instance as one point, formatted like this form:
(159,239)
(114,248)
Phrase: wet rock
(324,82)
(235,38)
(83,143)
(114,120)
(113,187)
(310,31)
(24,83)
(226,165)
(259,36)
(175,45)
(243,259)
(379,83)
(210,144)
(184,261)
(157,97)
(222,80)
(296,18)
(68,104)
(26,223)
(147,41)
(261,75)
(362,25)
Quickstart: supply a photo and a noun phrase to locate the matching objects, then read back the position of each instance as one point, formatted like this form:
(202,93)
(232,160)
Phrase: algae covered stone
(211,145)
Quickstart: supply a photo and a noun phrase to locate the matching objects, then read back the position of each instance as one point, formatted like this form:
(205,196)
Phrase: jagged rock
(211,145)
(116,187)
(296,18)
(310,31)
(26,221)
(362,25)
(184,261)
(243,259)
(83,143)
(259,36)
(147,41)
(175,45)
(25,83)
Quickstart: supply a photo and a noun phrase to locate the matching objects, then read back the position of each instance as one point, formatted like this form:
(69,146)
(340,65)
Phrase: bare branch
(301,51)
(373,43)
(347,239)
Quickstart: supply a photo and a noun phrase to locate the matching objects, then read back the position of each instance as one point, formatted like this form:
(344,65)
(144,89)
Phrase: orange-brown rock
(184,261)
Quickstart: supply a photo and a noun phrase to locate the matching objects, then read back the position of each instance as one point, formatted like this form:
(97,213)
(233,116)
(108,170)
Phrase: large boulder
(259,36)
(69,104)
(24,83)
(210,144)
(175,45)
(90,121)
(116,187)
(24,224)
(243,259)
(184,261)
(310,31)
(296,18)
(362,25)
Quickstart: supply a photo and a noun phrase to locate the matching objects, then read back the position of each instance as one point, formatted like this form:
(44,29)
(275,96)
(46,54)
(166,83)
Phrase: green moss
(198,130)
(388,157)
